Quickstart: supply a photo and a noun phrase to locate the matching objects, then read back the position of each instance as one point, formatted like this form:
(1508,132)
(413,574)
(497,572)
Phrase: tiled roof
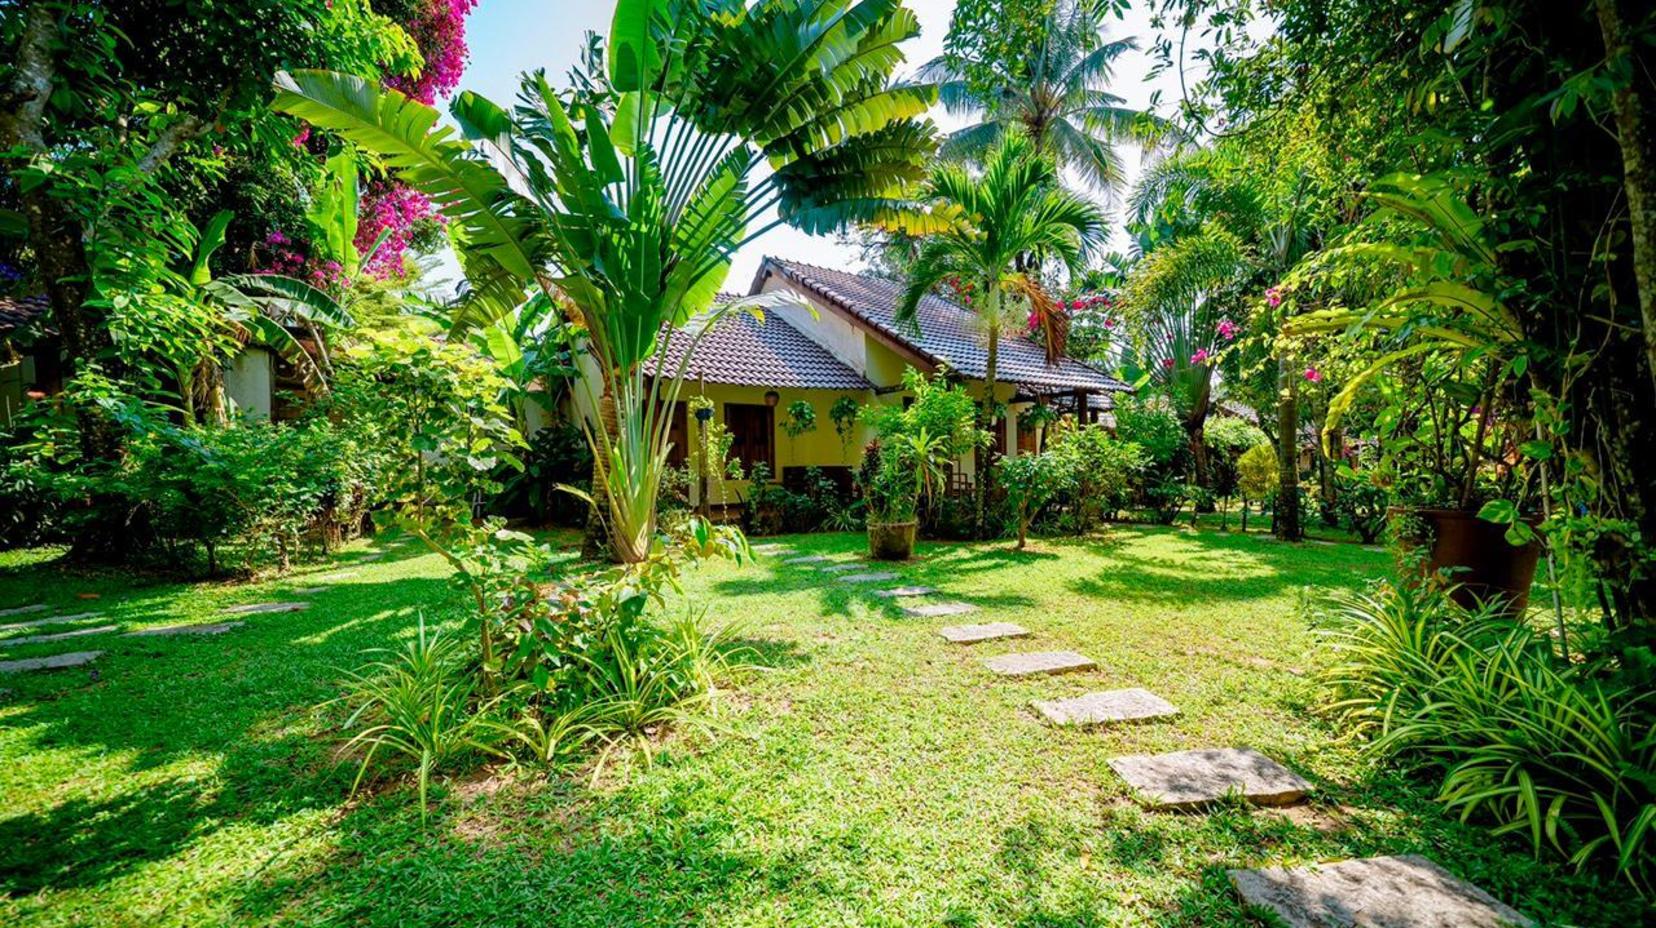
(17,312)
(948,333)
(743,351)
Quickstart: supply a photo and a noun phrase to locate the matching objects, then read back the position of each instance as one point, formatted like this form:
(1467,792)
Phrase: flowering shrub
(397,211)
(438,27)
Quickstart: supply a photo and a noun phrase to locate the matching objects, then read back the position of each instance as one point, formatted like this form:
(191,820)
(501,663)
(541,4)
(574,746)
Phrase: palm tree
(999,226)
(628,205)
(1055,94)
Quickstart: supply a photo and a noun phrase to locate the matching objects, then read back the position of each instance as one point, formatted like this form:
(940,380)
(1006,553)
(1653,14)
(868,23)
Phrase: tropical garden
(448,632)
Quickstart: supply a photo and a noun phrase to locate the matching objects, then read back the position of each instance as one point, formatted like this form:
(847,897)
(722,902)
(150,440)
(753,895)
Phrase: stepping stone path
(1191,779)
(340,575)
(370,558)
(897,591)
(877,576)
(24,610)
(266,607)
(310,590)
(53,620)
(47,639)
(1408,891)
(771,548)
(1105,707)
(217,628)
(838,568)
(808,559)
(937,610)
(1039,662)
(72,659)
(971,634)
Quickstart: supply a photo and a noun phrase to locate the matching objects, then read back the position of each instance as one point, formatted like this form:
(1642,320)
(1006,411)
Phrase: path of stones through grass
(1405,891)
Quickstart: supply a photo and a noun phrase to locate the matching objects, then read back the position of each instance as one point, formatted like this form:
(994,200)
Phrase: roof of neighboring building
(17,312)
(741,350)
(948,333)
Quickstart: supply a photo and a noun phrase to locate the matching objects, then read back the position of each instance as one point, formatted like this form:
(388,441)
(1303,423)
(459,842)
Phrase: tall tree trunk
(597,544)
(1195,423)
(985,455)
(1287,517)
(1634,134)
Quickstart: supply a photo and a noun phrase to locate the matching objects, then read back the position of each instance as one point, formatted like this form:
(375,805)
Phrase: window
(753,432)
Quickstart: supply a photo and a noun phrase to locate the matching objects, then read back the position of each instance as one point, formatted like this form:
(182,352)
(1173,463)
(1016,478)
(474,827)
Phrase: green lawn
(876,776)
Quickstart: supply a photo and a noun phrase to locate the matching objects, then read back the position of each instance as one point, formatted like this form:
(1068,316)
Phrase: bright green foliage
(1030,481)
(415,704)
(1151,424)
(1103,474)
(800,419)
(1257,472)
(1549,753)
(937,428)
(639,193)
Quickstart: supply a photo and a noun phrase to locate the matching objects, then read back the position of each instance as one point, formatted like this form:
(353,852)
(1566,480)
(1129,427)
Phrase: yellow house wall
(821,448)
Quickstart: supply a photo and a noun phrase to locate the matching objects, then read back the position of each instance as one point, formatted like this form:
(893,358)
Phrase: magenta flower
(1167,363)
(1313,375)
(303,137)
(1273,296)
(1228,329)
(1200,357)
(1109,323)
(1075,304)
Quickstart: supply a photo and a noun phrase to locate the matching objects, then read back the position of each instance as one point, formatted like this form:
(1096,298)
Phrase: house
(840,339)
(32,361)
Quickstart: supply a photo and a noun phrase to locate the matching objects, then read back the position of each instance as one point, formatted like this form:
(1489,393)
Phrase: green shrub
(1030,481)
(1535,746)
(1103,473)
(416,705)
(1227,439)
(1360,505)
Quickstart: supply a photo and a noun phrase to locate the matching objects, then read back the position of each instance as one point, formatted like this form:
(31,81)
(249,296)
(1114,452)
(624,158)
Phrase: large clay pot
(1478,557)
(891,541)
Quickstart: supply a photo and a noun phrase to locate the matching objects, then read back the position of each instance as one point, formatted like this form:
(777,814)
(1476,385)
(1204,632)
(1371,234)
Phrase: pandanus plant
(627,195)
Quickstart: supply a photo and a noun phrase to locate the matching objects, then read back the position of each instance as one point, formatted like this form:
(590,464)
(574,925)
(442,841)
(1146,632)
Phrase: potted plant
(906,464)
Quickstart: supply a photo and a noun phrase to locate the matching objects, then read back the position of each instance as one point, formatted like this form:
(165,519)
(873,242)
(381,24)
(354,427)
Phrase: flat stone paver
(771,548)
(1407,891)
(1190,779)
(897,591)
(25,610)
(873,576)
(1039,662)
(60,636)
(214,628)
(370,558)
(839,568)
(72,659)
(52,620)
(340,575)
(808,559)
(266,607)
(1106,707)
(971,634)
(310,590)
(938,610)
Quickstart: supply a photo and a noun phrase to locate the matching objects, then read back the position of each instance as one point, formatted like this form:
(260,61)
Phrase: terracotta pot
(1478,557)
(891,541)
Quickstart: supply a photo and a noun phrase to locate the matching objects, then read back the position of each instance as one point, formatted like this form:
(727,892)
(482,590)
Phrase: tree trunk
(985,454)
(1286,516)
(1195,422)
(597,545)
(1634,135)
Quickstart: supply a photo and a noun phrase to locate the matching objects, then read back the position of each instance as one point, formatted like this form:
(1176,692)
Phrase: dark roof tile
(743,351)
(948,333)
(17,312)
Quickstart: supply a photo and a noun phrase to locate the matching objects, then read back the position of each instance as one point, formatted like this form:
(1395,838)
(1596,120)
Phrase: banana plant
(717,120)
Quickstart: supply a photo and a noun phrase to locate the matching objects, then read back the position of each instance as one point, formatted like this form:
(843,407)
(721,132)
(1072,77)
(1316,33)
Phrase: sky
(508,37)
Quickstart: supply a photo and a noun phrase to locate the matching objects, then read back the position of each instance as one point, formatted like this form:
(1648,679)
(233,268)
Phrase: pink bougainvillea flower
(439,29)
(1273,296)
(1200,357)
(303,137)
(1313,375)
(1167,362)
(1076,304)
(1109,323)
(1228,329)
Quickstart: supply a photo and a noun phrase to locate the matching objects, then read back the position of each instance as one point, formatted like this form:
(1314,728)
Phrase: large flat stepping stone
(213,628)
(24,610)
(72,659)
(1039,662)
(266,607)
(52,620)
(1191,779)
(1407,891)
(59,636)
(771,547)
(839,568)
(937,610)
(340,575)
(898,591)
(873,576)
(1105,708)
(310,590)
(971,634)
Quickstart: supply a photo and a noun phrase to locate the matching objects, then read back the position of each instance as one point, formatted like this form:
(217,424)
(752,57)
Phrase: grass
(877,775)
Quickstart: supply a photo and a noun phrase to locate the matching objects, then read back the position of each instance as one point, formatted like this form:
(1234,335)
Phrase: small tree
(1031,480)
(1256,476)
